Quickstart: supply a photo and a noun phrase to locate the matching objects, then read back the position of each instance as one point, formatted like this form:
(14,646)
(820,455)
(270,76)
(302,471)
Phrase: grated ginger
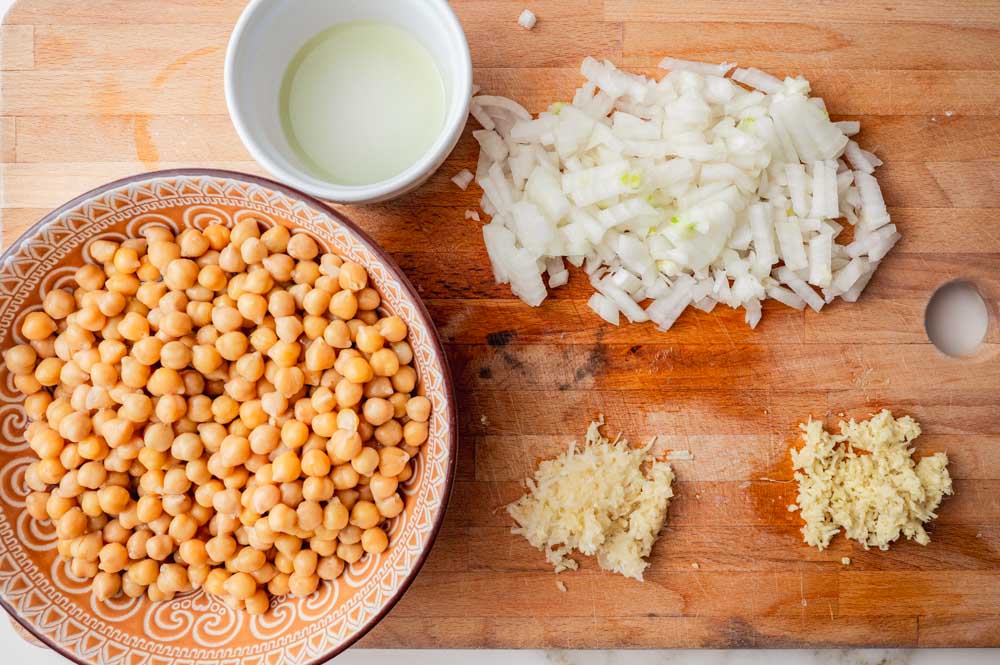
(598,501)
(874,497)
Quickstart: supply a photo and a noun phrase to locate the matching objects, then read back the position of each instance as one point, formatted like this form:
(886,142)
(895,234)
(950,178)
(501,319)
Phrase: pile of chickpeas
(225,409)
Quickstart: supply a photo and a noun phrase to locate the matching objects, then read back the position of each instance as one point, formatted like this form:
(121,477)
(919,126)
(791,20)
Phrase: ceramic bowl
(268,35)
(37,589)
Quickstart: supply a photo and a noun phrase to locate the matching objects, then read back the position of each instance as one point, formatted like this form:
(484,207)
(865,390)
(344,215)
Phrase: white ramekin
(268,35)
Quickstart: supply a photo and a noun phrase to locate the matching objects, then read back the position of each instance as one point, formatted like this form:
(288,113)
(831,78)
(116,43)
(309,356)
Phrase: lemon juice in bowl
(361,102)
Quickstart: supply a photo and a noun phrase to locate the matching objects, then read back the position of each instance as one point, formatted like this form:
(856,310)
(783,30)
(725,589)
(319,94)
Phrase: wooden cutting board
(95,90)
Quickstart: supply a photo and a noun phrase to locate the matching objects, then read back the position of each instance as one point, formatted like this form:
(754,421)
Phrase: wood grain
(98,90)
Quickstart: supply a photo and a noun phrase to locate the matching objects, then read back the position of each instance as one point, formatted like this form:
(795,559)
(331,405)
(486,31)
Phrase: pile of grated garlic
(874,497)
(598,501)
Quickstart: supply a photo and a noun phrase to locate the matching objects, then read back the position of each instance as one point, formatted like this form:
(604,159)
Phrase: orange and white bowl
(36,587)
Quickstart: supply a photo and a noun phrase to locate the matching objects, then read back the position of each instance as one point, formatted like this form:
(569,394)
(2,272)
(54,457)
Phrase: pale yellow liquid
(361,102)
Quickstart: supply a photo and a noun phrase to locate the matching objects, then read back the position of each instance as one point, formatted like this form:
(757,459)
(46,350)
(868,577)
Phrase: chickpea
(294,433)
(280,267)
(217,235)
(162,252)
(193,552)
(330,567)
(330,264)
(315,463)
(106,585)
(390,507)
(289,380)
(316,302)
(258,281)
(212,277)
(319,355)
(180,274)
(352,276)
(357,370)
(366,461)
(126,260)
(374,540)
(389,433)
(173,578)
(264,498)
(176,324)
(258,603)
(337,334)
(182,527)
(170,408)
(282,518)
(344,477)
(288,329)
(122,283)
(369,339)
(193,243)
(385,363)
(113,558)
(262,339)
(310,515)
(227,502)
(278,586)
(286,467)
(234,451)
(364,515)
(232,345)
(382,487)
(240,586)
(350,553)
(175,355)
(291,492)
(220,548)
(302,585)
(37,326)
(391,461)
(113,499)
(344,305)
(368,299)
(20,359)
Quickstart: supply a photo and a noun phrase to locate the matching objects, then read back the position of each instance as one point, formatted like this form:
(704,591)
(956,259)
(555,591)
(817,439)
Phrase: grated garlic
(596,500)
(875,496)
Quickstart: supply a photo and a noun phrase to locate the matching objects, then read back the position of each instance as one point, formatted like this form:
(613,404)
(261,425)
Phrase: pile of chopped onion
(690,190)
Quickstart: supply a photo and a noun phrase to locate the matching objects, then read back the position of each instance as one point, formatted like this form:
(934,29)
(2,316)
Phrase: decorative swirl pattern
(202,216)
(197,629)
(13,488)
(40,536)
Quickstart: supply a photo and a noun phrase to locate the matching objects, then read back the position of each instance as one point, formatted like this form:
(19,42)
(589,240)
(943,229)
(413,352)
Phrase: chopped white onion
(463,178)
(687,191)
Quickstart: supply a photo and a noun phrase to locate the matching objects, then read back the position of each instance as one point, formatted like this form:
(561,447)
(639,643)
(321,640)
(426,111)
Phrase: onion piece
(604,307)
(463,178)
(509,105)
(755,78)
(704,68)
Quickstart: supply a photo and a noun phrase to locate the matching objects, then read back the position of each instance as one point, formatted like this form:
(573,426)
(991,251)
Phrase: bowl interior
(195,628)
(269,35)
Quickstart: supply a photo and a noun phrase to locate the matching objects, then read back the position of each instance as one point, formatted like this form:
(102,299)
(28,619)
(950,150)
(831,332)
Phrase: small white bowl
(268,35)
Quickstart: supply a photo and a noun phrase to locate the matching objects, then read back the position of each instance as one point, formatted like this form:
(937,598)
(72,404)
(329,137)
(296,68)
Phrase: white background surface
(15,651)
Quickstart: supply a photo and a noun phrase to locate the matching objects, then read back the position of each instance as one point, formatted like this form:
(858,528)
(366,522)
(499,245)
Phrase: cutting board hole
(956,319)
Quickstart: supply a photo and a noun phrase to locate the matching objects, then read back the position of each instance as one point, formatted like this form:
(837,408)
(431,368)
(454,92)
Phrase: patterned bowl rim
(376,249)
